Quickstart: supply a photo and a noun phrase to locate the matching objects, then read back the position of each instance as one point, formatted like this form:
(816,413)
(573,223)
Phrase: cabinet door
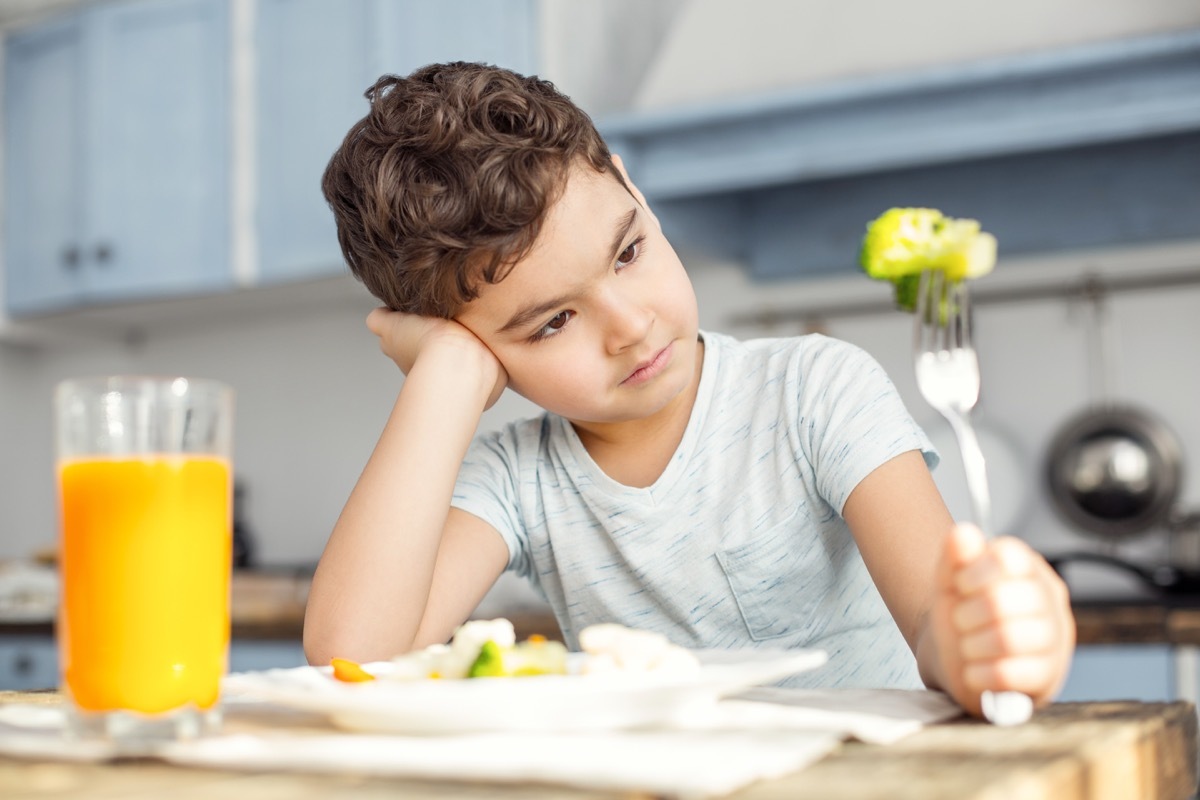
(157,182)
(1120,672)
(28,662)
(315,60)
(313,66)
(42,113)
(413,33)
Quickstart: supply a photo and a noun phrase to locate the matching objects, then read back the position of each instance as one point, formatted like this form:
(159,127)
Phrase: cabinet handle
(70,257)
(23,665)
(104,253)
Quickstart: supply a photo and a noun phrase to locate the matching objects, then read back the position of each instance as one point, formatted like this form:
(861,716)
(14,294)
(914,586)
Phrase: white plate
(541,703)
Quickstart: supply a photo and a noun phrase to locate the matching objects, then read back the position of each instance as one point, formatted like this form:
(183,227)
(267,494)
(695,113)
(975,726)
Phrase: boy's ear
(637,194)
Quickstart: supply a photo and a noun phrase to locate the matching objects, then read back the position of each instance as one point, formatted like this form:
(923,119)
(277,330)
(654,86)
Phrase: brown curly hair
(447,179)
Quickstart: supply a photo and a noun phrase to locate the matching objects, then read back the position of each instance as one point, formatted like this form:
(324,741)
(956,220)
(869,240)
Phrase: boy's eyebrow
(529,313)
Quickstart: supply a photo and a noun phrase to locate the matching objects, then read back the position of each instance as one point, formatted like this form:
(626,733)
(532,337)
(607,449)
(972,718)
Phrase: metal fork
(947,370)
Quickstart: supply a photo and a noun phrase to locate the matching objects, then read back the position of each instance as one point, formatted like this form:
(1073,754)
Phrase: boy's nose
(628,322)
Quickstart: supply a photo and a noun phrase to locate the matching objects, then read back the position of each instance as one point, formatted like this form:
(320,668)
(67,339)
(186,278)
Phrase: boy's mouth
(648,369)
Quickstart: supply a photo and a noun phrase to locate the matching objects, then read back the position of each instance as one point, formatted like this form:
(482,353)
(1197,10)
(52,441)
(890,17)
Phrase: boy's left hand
(1001,619)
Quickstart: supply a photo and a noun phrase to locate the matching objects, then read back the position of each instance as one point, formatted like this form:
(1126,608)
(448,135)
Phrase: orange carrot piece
(350,671)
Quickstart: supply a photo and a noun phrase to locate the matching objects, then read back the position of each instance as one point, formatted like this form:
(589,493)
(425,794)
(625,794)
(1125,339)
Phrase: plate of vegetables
(484,680)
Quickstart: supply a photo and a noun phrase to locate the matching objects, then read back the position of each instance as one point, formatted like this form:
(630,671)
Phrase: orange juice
(144,620)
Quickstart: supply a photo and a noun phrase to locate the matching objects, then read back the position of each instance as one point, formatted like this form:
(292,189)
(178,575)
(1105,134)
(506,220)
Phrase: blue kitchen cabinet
(1121,672)
(313,65)
(116,154)
(413,33)
(27,662)
(43,152)
(315,59)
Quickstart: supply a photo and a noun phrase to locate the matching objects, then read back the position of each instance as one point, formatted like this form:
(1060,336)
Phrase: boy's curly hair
(447,179)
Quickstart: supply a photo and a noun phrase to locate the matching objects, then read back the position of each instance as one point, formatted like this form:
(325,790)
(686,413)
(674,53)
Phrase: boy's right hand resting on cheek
(405,337)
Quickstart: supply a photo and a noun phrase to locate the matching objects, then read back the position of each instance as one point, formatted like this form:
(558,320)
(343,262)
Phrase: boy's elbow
(324,642)
(317,649)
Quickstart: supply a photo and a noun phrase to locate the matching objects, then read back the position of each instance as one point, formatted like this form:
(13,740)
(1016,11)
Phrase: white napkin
(765,733)
(662,763)
(875,716)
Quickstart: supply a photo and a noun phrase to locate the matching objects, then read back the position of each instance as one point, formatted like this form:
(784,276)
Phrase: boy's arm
(402,568)
(978,614)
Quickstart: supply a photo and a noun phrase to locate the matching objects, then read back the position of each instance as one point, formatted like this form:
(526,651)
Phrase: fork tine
(922,309)
(962,308)
(926,332)
(938,301)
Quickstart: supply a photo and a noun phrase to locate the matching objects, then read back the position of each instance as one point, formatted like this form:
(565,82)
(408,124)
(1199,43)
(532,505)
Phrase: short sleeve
(487,487)
(852,419)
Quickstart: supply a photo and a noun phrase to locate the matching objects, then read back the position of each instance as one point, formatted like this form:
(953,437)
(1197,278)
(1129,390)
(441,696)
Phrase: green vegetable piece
(903,242)
(489,663)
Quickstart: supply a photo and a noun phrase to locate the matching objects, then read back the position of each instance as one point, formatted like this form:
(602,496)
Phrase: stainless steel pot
(1115,471)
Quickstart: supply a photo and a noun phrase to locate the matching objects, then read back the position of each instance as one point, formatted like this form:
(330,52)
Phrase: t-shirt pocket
(773,577)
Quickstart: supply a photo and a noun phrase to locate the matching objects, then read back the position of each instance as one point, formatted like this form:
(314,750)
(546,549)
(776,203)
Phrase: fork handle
(976,471)
(1004,709)
(999,708)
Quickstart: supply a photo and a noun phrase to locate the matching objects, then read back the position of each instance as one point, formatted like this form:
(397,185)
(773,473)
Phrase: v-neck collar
(586,471)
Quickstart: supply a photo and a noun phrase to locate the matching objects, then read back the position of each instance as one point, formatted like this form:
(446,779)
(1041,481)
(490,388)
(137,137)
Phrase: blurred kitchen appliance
(1115,472)
(243,540)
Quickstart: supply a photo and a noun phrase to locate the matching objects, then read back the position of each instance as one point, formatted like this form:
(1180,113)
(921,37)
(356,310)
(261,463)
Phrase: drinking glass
(145,512)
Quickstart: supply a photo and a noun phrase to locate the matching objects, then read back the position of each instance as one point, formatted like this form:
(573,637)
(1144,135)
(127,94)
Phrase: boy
(726,494)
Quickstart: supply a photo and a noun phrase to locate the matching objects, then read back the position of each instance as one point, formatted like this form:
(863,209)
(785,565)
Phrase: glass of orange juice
(144,481)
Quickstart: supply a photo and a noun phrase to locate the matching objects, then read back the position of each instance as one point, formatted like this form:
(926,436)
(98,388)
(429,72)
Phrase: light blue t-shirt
(740,542)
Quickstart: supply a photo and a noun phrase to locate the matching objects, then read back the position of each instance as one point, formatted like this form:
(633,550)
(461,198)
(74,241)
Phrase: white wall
(718,48)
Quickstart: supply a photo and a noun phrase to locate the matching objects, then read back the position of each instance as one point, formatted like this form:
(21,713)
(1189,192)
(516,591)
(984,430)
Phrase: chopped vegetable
(489,663)
(903,242)
(479,649)
(487,649)
(350,671)
(612,647)
(538,656)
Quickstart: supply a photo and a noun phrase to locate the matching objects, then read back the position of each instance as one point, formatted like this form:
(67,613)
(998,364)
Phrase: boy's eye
(629,254)
(551,328)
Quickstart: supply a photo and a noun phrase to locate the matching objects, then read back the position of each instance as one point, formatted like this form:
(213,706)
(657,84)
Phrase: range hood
(1085,146)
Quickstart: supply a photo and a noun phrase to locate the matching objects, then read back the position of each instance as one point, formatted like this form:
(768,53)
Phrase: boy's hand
(1001,619)
(405,337)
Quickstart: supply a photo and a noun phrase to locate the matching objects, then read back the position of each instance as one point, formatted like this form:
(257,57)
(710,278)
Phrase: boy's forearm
(372,584)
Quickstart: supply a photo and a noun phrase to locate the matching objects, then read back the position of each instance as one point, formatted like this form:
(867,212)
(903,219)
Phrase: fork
(947,371)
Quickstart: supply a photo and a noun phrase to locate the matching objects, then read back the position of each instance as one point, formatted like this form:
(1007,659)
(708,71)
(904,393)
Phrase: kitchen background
(175,146)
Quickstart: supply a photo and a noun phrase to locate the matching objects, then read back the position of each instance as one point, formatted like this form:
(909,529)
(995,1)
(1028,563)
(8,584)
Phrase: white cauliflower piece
(419,664)
(616,647)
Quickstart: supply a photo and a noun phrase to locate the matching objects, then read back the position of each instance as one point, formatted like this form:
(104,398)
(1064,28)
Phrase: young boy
(726,494)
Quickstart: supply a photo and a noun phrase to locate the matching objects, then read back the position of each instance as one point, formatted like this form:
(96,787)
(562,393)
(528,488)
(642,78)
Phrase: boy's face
(598,323)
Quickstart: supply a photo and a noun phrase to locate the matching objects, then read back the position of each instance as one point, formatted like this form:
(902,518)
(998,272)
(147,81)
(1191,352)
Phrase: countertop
(1068,751)
(269,605)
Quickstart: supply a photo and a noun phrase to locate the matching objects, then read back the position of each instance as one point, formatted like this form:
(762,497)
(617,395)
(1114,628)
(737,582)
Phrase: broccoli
(489,663)
(903,242)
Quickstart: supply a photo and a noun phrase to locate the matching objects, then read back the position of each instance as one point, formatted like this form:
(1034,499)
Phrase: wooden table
(1070,751)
